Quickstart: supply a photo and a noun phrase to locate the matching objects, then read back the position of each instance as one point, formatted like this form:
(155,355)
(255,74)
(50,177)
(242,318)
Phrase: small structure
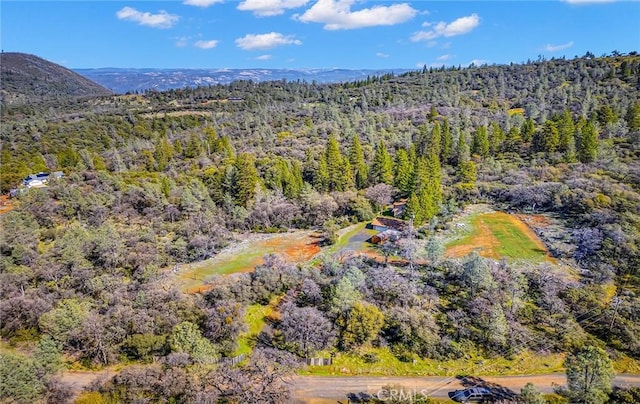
(40,179)
(390,229)
(386,223)
(384,236)
(398,208)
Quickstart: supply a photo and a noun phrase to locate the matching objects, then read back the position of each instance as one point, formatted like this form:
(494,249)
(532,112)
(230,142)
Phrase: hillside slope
(28,78)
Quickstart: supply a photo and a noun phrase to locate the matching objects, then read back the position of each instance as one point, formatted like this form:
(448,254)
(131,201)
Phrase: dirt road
(319,389)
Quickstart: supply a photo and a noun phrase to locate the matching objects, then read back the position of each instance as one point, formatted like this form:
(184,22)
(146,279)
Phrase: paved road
(319,389)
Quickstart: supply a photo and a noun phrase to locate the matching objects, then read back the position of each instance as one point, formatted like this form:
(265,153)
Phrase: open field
(297,246)
(255,317)
(525,363)
(497,235)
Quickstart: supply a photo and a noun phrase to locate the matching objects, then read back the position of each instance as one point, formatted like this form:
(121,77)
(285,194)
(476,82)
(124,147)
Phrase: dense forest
(160,179)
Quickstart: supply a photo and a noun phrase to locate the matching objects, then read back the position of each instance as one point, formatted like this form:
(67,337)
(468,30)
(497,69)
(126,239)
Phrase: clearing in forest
(298,246)
(497,235)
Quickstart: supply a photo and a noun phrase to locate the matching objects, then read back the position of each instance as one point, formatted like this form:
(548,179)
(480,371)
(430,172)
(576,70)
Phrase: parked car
(471,395)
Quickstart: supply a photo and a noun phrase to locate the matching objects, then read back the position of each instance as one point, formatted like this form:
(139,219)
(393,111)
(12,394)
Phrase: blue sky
(314,33)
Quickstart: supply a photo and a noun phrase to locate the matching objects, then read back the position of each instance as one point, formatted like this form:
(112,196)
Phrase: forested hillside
(30,79)
(167,178)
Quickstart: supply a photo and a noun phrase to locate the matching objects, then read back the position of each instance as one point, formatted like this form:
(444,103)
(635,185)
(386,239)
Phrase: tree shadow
(500,392)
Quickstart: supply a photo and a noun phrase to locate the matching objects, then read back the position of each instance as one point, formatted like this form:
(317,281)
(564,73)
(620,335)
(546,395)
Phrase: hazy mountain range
(122,80)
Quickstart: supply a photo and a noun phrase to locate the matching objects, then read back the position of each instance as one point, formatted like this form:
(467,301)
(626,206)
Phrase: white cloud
(264,57)
(206,44)
(201,3)
(460,26)
(160,20)
(265,41)
(268,8)
(337,14)
(444,57)
(556,48)
(382,55)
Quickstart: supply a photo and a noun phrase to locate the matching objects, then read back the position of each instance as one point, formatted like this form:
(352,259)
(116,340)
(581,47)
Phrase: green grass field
(497,235)
(255,318)
(389,365)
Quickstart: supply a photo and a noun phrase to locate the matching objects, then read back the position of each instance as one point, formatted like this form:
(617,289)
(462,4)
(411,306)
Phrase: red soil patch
(484,241)
(6,205)
(297,251)
(534,220)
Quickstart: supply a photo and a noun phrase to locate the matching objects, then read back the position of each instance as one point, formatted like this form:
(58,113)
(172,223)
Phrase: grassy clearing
(255,318)
(496,235)
(389,365)
(525,363)
(244,257)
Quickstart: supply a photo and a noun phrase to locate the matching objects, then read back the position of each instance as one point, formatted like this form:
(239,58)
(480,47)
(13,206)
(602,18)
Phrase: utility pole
(618,300)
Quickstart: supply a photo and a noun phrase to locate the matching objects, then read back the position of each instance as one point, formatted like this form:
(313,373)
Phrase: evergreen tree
(163,153)
(496,138)
(382,168)
(462,152)
(588,147)
(358,165)
(346,175)
(633,117)
(467,173)
(321,175)
(480,142)
(445,149)
(528,130)
(245,179)
(514,141)
(413,210)
(334,165)
(435,141)
(566,129)
(194,147)
(589,375)
(403,171)
(547,139)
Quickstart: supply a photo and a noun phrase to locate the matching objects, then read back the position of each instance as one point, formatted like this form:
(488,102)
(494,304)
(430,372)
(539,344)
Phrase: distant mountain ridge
(27,78)
(123,80)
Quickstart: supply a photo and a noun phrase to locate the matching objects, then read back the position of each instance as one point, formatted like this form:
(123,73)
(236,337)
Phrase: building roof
(389,223)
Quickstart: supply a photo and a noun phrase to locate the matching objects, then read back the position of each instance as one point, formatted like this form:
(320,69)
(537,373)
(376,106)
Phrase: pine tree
(547,139)
(358,165)
(528,130)
(346,175)
(445,149)
(566,129)
(163,153)
(514,141)
(403,171)
(321,175)
(382,168)
(245,179)
(480,142)
(467,173)
(496,138)
(334,164)
(435,141)
(462,153)
(413,210)
(193,148)
(633,117)
(588,148)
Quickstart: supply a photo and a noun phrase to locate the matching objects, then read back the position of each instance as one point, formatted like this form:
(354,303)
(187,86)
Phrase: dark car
(471,395)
